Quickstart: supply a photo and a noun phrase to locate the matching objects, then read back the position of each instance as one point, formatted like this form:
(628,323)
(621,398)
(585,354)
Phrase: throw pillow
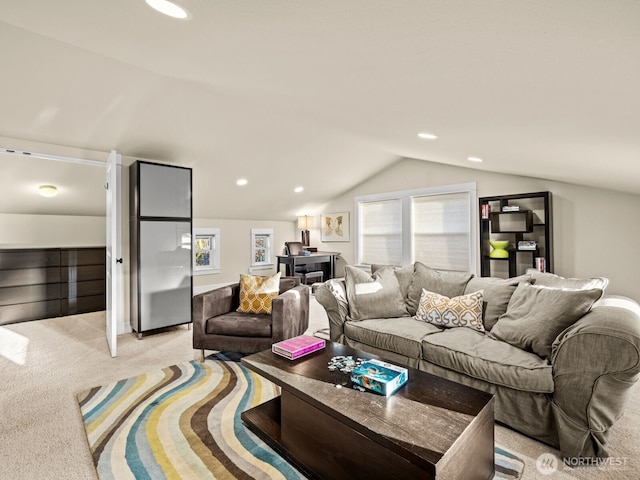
(403,274)
(496,293)
(461,311)
(547,279)
(449,284)
(537,315)
(373,296)
(257,293)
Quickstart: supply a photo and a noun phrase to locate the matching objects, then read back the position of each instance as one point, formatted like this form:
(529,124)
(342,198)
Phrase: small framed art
(334,227)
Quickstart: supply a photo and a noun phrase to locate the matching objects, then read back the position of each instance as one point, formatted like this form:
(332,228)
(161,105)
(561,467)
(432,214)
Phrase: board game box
(380,377)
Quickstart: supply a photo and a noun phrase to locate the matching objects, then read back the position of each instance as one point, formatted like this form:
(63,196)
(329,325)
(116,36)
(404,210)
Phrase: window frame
(406,197)
(214,266)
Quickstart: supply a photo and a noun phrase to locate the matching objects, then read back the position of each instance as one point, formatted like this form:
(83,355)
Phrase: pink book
(297,347)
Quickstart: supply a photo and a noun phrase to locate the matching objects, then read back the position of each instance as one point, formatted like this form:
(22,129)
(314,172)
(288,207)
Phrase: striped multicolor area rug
(184,422)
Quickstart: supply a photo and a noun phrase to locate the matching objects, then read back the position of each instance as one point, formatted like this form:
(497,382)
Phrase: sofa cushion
(480,356)
(256,293)
(547,279)
(240,325)
(496,293)
(537,315)
(460,311)
(400,335)
(403,274)
(449,284)
(373,296)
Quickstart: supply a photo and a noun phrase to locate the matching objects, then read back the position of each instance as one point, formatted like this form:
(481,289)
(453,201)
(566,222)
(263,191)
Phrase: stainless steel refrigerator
(160,233)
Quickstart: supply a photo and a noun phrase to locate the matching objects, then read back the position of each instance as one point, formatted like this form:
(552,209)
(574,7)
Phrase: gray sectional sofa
(559,355)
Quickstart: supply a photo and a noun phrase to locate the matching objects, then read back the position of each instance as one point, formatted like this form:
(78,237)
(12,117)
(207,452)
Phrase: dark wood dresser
(38,283)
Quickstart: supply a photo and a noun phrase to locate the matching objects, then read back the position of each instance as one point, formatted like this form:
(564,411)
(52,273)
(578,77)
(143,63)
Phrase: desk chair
(308,274)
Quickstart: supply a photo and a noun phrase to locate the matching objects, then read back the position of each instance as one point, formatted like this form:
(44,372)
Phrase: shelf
(532,222)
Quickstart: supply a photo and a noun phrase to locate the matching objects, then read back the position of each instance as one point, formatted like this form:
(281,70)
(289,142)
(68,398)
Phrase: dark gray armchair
(217,325)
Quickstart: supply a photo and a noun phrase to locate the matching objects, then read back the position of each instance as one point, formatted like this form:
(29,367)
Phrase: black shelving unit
(531,222)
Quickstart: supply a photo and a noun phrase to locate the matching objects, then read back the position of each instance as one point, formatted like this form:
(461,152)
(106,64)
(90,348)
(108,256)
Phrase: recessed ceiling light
(169,8)
(474,159)
(427,136)
(48,190)
(242,181)
(298,189)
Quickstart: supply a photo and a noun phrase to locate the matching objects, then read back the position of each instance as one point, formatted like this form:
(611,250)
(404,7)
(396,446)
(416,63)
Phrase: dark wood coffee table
(431,428)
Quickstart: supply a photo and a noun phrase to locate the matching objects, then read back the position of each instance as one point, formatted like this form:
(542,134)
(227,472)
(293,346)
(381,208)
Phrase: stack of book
(297,347)
(527,245)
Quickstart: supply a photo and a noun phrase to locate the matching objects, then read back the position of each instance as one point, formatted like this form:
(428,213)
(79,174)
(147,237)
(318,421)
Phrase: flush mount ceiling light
(298,189)
(474,159)
(48,190)
(169,8)
(242,181)
(427,136)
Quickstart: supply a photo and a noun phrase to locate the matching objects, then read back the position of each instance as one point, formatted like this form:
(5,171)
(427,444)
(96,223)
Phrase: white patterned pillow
(461,311)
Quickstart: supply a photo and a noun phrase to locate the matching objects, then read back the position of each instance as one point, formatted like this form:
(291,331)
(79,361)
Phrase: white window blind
(434,225)
(380,232)
(441,230)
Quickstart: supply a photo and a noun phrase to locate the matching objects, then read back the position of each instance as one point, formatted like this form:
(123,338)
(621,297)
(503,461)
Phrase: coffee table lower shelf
(322,447)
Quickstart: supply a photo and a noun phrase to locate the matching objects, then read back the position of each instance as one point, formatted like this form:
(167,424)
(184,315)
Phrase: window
(435,226)
(206,251)
(261,248)
(381,232)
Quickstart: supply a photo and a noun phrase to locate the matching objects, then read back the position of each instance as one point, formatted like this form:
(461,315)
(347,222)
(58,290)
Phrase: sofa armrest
(595,363)
(290,313)
(332,295)
(210,304)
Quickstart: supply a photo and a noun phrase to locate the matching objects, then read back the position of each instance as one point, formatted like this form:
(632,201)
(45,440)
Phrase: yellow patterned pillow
(462,311)
(256,293)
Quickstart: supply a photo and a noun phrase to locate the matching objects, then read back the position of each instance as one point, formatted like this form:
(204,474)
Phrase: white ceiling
(323,94)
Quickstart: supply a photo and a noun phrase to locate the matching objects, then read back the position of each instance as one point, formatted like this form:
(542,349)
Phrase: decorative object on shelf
(334,227)
(486,211)
(527,245)
(541,264)
(499,248)
(305,222)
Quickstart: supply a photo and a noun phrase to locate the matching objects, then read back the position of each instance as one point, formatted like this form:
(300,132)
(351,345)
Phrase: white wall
(235,250)
(595,231)
(25,231)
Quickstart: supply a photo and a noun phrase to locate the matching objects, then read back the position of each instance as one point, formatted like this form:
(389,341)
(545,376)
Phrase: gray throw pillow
(403,274)
(547,279)
(537,315)
(374,296)
(496,293)
(449,284)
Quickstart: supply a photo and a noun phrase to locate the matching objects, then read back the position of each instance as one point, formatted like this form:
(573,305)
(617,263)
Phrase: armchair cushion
(240,325)
(257,293)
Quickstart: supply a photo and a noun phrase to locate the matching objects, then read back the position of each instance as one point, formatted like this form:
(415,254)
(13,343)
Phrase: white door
(114,249)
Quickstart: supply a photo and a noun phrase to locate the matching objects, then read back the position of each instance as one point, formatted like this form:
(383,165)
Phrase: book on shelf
(297,347)
(511,208)
(379,377)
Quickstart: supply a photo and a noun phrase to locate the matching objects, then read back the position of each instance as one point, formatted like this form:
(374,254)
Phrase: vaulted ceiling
(321,94)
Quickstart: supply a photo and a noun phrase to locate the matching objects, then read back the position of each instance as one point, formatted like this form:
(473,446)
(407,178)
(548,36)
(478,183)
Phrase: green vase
(499,248)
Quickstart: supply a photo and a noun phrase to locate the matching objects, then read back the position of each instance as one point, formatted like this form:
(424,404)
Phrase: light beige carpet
(45,364)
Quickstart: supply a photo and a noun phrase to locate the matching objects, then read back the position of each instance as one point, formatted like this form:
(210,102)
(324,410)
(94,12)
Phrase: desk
(327,259)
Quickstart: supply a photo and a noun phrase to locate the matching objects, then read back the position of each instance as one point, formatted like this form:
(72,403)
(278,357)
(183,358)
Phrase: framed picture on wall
(334,227)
